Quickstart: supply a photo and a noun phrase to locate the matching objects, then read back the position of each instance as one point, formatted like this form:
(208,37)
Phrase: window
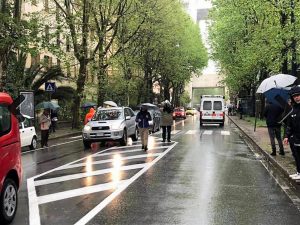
(217,105)
(207,105)
(5,120)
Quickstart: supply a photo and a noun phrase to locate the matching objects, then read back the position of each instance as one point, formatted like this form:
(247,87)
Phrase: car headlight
(115,127)
(87,128)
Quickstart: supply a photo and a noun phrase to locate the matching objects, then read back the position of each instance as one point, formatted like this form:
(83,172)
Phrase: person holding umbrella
(142,118)
(45,122)
(273,113)
(292,131)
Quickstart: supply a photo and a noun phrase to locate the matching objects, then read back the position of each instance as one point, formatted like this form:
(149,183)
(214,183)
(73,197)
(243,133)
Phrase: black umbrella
(88,104)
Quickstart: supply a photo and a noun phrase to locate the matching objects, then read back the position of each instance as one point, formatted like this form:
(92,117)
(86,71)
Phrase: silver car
(116,123)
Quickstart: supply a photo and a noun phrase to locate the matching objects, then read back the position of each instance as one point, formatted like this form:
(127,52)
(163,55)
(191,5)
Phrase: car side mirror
(127,117)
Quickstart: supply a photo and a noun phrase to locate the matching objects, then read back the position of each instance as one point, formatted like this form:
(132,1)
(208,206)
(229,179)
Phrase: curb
(63,136)
(266,155)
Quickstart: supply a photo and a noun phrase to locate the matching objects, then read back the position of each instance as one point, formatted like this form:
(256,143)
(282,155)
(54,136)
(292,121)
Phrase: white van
(212,109)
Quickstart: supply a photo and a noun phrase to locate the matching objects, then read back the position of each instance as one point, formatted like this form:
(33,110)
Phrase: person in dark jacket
(142,118)
(273,113)
(292,131)
(166,121)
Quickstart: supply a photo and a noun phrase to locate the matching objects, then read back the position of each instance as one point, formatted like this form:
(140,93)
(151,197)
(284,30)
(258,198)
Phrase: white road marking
(34,212)
(175,131)
(39,149)
(208,132)
(192,132)
(225,132)
(112,196)
(87,174)
(79,136)
(34,200)
(79,191)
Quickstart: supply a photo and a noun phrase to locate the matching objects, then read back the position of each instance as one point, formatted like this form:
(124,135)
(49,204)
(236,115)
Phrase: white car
(110,124)
(27,134)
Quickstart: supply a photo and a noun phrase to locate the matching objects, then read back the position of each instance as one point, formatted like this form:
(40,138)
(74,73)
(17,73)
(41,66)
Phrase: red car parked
(179,113)
(10,159)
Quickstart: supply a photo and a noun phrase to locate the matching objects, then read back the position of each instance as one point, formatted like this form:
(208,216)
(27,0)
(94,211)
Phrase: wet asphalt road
(204,176)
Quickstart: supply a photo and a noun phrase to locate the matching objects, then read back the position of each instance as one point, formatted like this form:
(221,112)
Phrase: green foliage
(255,38)
(185,99)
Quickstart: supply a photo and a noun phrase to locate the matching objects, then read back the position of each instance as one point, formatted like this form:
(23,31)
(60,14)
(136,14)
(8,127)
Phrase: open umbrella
(47,105)
(149,105)
(88,104)
(110,103)
(278,96)
(276,81)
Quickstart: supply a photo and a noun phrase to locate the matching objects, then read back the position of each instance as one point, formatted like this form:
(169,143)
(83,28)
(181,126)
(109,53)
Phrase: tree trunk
(102,83)
(79,93)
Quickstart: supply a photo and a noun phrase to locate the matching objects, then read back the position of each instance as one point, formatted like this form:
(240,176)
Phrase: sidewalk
(260,140)
(62,130)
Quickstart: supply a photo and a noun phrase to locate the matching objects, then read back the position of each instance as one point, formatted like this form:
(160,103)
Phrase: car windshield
(108,114)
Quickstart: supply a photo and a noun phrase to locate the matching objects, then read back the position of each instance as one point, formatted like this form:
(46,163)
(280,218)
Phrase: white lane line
(34,212)
(128,151)
(87,174)
(208,132)
(39,149)
(175,131)
(79,136)
(111,160)
(112,196)
(192,132)
(225,132)
(79,192)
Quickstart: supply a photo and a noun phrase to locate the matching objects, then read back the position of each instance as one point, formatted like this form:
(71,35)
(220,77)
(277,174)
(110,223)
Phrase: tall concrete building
(208,82)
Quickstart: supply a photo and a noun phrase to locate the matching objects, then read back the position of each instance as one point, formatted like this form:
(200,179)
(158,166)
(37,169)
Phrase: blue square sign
(50,86)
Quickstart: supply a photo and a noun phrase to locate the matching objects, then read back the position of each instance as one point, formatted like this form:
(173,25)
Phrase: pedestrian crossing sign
(50,86)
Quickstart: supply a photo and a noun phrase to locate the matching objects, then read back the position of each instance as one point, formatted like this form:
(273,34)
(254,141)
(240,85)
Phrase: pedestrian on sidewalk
(292,131)
(45,123)
(142,118)
(241,110)
(166,121)
(273,114)
(54,119)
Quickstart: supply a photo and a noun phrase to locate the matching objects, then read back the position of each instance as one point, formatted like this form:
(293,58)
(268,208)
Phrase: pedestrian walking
(89,115)
(273,114)
(54,119)
(45,123)
(292,131)
(142,118)
(166,121)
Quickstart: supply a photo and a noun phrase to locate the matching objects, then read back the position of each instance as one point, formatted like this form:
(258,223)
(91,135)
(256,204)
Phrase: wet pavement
(261,142)
(204,176)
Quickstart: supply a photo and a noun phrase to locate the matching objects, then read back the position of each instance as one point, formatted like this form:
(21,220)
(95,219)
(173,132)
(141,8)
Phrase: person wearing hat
(166,121)
(292,131)
(142,118)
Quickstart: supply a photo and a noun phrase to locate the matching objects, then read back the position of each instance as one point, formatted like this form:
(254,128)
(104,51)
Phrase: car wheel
(123,140)
(135,137)
(33,143)
(87,144)
(222,124)
(9,201)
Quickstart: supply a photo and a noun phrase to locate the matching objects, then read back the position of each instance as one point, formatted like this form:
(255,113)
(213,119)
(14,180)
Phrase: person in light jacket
(142,118)
(166,121)
(45,123)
